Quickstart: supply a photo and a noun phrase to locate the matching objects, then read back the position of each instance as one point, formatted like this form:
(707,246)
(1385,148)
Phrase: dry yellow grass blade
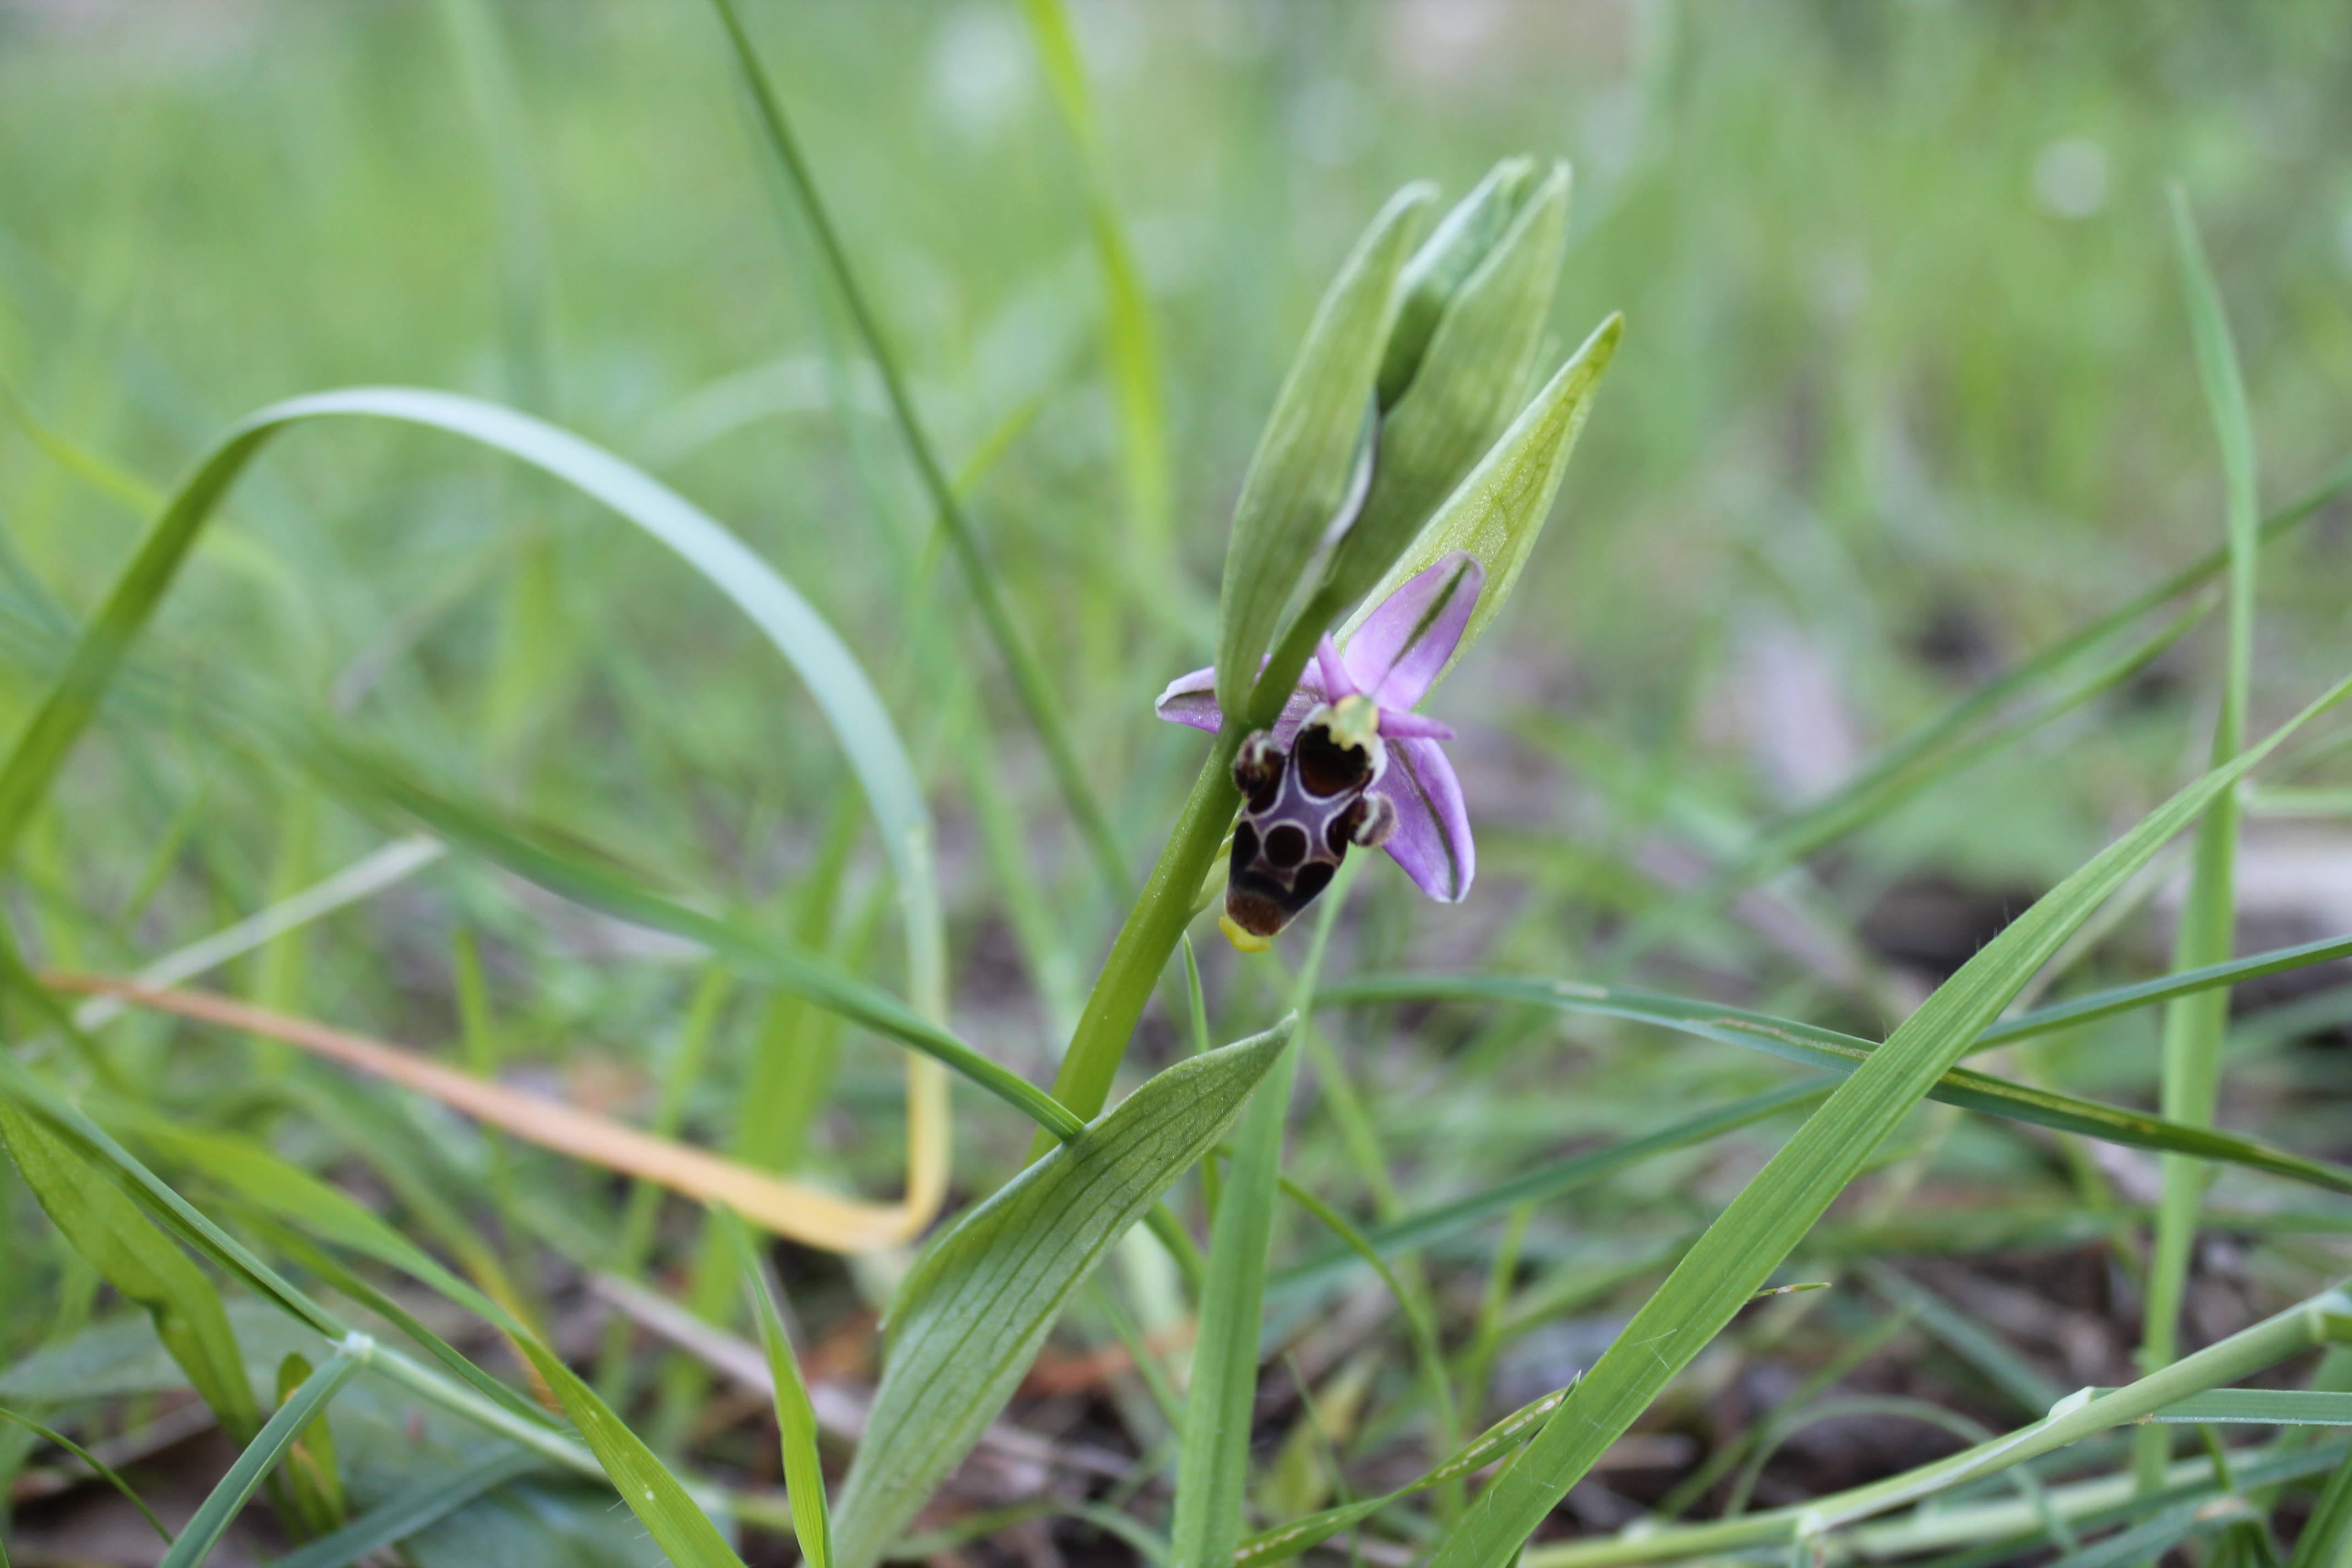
(815,1218)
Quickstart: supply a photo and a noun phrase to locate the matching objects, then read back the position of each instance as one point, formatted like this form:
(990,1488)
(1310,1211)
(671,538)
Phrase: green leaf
(143,1264)
(795,1415)
(261,1455)
(1840,1053)
(1307,456)
(971,1317)
(1772,1213)
(1499,509)
(1472,379)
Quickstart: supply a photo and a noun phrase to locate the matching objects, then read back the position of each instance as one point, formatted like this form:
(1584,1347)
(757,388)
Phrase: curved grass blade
(1037,698)
(788,1208)
(405,1513)
(1772,1213)
(795,1415)
(840,686)
(1843,1054)
(262,1454)
(970,1318)
(2106,1004)
(98,1467)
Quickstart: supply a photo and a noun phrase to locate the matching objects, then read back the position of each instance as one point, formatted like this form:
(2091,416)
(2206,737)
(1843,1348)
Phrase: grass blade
(1287,1541)
(1440,1221)
(98,1467)
(877,755)
(2000,710)
(795,1415)
(2254,1407)
(405,1513)
(669,1513)
(1773,1213)
(1213,1445)
(971,1318)
(2147,994)
(1213,1465)
(261,1455)
(2194,1024)
(1043,707)
(1841,1053)
(2326,1538)
(1130,338)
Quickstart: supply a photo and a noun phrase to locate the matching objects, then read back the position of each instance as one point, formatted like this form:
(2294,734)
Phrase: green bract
(1477,295)
(1496,513)
(1299,477)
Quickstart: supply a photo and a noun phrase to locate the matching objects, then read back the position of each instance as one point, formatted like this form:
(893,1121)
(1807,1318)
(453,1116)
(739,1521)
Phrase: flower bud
(1300,479)
(1478,296)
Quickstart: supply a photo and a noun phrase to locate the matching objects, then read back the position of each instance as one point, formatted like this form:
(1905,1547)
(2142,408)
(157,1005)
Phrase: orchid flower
(1348,762)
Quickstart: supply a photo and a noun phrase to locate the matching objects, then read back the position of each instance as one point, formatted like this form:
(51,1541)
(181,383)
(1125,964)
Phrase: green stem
(1149,937)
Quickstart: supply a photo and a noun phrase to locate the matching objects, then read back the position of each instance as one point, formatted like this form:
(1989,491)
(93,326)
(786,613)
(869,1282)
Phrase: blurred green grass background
(1906,393)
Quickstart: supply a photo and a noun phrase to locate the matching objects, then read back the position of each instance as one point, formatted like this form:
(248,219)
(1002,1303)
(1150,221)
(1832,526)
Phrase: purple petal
(1333,669)
(1399,648)
(1192,700)
(1412,727)
(1432,836)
